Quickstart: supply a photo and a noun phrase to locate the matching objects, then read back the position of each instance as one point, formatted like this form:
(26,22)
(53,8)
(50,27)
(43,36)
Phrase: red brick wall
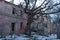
(6,17)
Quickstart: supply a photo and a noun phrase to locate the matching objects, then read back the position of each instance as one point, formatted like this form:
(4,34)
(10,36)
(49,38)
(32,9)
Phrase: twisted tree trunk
(30,20)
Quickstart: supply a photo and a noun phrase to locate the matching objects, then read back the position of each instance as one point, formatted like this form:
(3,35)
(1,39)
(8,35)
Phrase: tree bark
(30,20)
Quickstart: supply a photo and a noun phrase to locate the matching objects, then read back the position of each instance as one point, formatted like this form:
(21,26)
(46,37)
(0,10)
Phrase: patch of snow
(34,36)
(52,36)
(22,37)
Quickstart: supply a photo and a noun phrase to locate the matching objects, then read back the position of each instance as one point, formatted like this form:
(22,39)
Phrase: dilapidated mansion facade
(9,21)
(12,22)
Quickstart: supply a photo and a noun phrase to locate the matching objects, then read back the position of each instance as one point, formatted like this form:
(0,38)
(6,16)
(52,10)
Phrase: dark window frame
(12,26)
(21,25)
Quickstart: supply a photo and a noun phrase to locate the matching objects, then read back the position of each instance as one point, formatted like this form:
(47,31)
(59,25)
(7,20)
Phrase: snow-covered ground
(34,37)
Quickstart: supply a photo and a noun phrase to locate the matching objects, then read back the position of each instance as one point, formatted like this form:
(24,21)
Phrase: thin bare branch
(39,6)
(53,12)
(42,8)
(46,4)
(48,13)
(51,7)
(40,12)
(34,4)
(27,3)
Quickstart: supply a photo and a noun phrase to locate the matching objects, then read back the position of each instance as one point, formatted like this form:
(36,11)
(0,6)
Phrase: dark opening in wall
(13,26)
(21,13)
(13,11)
(21,24)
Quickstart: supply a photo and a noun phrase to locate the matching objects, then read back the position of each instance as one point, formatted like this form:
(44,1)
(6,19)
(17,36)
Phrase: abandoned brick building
(9,21)
(12,22)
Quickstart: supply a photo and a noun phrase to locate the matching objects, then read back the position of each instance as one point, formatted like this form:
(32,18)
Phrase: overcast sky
(37,4)
(18,1)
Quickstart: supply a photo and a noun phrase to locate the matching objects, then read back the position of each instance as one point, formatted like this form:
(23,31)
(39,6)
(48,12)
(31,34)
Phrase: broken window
(21,24)
(13,11)
(12,25)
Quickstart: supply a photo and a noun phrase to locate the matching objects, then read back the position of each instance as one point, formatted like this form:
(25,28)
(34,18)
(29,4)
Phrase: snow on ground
(34,37)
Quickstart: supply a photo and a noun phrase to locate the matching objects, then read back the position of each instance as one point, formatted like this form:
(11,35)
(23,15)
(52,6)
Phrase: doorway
(12,27)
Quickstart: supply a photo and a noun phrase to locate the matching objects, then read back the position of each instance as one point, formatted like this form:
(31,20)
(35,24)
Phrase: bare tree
(34,11)
(41,10)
